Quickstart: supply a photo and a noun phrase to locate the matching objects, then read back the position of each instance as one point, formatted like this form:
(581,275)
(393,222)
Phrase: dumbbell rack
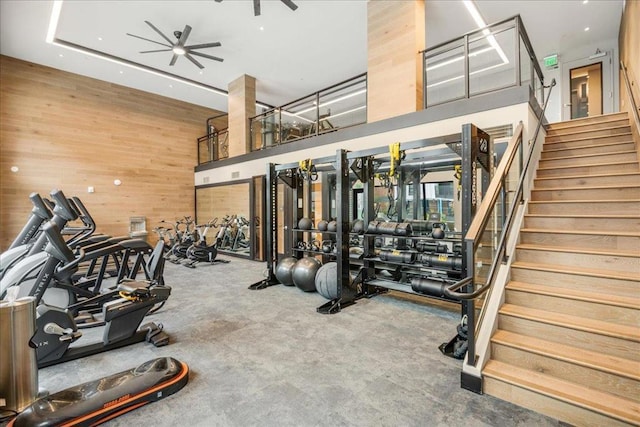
(472,149)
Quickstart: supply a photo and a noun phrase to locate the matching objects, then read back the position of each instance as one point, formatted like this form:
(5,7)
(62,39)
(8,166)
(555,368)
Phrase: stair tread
(598,175)
(583,156)
(584,397)
(578,250)
(607,274)
(587,358)
(594,216)
(629,162)
(582,120)
(586,324)
(582,232)
(577,294)
(547,142)
(580,129)
(608,144)
(589,187)
(585,201)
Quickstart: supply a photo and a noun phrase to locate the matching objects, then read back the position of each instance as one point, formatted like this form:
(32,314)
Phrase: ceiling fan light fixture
(178,50)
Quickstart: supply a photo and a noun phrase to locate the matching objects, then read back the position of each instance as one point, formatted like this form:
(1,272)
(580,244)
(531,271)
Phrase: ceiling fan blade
(174,59)
(290,4)
(185,34)
(202,46)
(149,40)
(256,7)
(159,50)
(192,59)
(218,1)
(215,58)
(159,32)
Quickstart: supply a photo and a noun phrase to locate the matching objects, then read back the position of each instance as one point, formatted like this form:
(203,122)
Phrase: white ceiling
(294,54)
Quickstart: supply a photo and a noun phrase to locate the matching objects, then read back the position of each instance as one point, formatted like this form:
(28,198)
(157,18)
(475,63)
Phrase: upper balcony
(470,67)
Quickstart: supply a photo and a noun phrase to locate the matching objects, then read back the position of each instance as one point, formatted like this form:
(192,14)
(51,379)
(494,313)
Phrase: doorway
(586,91)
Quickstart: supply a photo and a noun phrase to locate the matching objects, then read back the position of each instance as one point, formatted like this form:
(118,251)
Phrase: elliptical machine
(56,327)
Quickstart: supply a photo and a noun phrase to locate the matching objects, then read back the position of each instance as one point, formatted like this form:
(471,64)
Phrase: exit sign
(551,61)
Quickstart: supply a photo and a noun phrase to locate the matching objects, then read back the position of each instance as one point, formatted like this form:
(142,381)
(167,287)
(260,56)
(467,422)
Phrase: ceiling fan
(256,6)
(179,48)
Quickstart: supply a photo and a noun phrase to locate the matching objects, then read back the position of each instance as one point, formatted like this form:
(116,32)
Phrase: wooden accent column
(242,105)
(396,33)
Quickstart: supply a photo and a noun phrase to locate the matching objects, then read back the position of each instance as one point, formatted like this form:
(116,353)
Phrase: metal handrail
(482,216)
(634,106)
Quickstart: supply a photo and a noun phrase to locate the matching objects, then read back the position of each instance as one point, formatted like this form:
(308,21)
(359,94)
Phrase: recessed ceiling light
(121,72)
(201,72)
(261,28)
(585,1)
(61,55)
(586,28)
(100,38)
(171,86)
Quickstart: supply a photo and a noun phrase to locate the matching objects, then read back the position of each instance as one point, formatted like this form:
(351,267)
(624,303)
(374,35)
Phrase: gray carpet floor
(266,358)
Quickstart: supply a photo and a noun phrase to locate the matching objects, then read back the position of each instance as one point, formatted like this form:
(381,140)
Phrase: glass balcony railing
(336,107)
(486,60)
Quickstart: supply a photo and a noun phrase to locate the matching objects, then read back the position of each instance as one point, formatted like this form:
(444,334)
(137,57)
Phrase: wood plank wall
(396,33)
(69,132)
(242,106)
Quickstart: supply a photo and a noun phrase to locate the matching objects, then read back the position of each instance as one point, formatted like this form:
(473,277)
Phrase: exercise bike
(184,239)
(200,251)
(56,327)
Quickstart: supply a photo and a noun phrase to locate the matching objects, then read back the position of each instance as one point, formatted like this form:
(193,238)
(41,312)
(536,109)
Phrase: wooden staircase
(567,342)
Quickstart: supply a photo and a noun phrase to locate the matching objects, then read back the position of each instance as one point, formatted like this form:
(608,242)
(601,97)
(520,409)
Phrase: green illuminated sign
(551,60)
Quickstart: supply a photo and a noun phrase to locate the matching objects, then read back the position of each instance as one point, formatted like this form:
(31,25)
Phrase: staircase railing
(487,235)
(632,100)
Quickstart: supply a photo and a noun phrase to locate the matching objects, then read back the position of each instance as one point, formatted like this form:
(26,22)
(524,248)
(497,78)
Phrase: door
(585,85)
(602,61)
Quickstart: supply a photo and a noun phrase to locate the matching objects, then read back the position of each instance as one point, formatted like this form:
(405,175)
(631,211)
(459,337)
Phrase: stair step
(581,331)
(605,240)
(578,207)
(583,222)
(600,192)
(591,169)
(582,133)
(620,178)
(561,130)
(603,372)
(617,261)
(591,280)
(589,140)
(599,305)
(550,152)
(568,402)
(603,118)
(589,159)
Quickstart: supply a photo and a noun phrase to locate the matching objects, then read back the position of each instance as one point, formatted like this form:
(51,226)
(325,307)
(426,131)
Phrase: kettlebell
(438,230)
(327,246)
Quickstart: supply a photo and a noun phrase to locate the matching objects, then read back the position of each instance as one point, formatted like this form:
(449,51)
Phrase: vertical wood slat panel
(69,132)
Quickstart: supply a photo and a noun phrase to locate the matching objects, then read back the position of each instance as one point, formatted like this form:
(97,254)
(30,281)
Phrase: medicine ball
(332,226)
(284,270)
(327,280)
(358,226)
(304,273)
(322,225)
(305,224)
(438,231)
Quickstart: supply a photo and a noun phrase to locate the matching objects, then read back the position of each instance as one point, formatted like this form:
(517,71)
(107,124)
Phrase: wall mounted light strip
(475,14)
(52,39)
